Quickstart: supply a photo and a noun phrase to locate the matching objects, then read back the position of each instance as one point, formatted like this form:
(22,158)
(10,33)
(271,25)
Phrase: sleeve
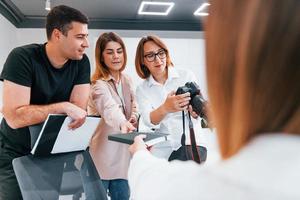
(106,106)
(145,106)
(18,68)
(84,71)
(149,178)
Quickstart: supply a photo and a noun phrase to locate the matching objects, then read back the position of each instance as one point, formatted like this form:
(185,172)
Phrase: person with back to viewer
(48,78)
(253,75)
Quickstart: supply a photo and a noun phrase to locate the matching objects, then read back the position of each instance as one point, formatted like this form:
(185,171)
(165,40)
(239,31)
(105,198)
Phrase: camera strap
(195,154)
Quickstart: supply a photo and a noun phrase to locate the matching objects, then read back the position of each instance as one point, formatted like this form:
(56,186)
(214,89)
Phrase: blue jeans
(118,189)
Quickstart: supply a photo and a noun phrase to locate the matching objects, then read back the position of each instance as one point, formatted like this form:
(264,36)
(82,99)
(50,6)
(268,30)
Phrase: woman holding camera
(159,106)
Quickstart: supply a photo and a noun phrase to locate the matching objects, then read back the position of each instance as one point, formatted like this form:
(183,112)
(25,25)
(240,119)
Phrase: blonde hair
(253,69)
(101,70)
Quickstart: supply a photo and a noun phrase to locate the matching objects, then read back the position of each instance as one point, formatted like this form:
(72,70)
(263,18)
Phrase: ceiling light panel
(156,8)
(201,11)
(47,5)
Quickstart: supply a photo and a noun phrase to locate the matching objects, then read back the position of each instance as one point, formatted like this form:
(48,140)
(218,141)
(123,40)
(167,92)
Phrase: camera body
(190,87)
(197,101)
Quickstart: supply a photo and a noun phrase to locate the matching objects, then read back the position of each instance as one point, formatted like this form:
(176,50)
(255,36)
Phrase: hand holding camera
(175,103)
(197,101)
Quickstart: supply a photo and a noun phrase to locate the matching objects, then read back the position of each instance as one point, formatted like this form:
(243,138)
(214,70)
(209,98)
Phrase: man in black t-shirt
(39,79)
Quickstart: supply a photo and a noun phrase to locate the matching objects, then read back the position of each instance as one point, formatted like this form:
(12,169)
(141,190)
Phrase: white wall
(8,41)
(8,38)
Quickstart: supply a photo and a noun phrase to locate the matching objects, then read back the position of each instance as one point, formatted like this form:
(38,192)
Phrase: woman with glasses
(160,108)
(112,97)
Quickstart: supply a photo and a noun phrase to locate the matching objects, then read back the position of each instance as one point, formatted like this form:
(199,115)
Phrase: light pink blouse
(111,158)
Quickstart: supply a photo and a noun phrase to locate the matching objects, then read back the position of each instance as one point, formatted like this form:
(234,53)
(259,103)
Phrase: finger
(182,99)
(184,108)
(192,112)
(172,93)
(132,120)
(139,138)
(187,98)
(149,148)
(194,115)
(123,129)
(82,120)
(184,103)
(187,94)
(75,124)
(130,129)
(71,125)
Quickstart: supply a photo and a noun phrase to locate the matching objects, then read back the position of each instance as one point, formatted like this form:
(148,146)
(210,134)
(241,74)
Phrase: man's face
(73,44)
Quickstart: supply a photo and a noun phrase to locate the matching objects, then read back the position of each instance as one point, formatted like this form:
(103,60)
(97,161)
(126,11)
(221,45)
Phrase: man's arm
(79,97)
(18,113)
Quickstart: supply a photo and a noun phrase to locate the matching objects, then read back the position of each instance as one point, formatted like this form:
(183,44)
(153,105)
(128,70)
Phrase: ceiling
(107,14)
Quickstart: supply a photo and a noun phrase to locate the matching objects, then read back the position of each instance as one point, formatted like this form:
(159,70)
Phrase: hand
(175,103)
(133,120)
(138,144)
(127,127)
(77,114)
(193,113)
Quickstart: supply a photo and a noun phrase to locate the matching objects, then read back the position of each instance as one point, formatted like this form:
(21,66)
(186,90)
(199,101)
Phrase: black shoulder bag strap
(195,153)
(138,123)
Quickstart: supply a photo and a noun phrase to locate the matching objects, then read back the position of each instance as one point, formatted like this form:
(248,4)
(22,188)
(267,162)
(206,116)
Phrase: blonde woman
(112,97)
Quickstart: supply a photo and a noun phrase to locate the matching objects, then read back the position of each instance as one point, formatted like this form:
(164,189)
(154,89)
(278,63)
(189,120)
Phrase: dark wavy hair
(61,17)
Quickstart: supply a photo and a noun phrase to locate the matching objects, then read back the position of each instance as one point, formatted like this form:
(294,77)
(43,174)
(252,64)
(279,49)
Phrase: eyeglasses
(151,56)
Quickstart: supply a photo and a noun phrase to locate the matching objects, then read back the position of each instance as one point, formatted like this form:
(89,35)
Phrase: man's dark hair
(61,17)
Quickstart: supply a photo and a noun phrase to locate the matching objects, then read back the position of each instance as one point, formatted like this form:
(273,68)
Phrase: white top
(267,168)
(151,94)
(120,92)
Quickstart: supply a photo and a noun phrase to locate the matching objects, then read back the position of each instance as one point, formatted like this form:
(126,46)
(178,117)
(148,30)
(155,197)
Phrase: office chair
(69,176)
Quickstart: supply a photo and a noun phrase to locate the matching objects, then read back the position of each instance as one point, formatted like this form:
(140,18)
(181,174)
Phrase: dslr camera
(197,101)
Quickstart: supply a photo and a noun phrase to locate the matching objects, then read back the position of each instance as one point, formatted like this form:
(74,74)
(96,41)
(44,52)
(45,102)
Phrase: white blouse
(267,168)
(151,94)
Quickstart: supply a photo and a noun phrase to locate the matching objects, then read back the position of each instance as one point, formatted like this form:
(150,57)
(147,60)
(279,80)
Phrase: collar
(111,78)
(172,74)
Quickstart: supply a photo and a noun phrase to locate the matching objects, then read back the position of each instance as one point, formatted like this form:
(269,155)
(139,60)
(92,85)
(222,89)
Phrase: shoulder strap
(183,130)
(195,153)
(196,156)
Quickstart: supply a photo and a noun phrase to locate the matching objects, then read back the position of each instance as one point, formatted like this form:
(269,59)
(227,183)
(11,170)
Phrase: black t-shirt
(29,66)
